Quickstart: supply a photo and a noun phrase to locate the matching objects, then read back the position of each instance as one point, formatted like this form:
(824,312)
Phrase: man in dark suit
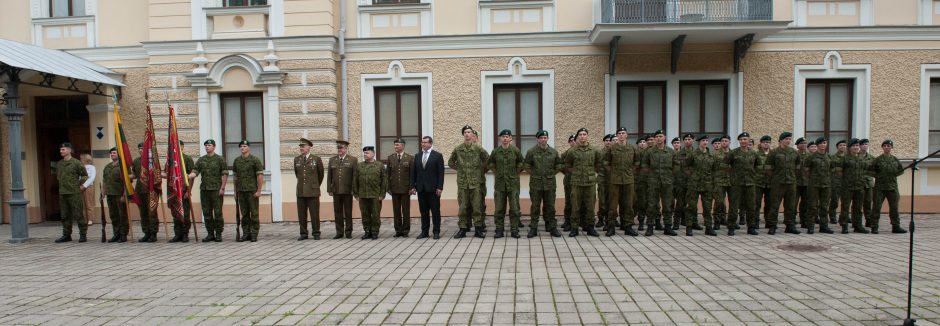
(428,182)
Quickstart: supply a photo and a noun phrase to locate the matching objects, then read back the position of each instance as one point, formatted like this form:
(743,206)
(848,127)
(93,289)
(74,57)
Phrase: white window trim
(866,13)
(394,76)
(832,68)
(39,12)
(489,79)
(486,8)
(735,98)
(927,72)
(365,9)
(203,9)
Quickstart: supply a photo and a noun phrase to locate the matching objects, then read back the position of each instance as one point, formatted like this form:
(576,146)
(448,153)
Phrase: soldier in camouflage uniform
(701,185)
(660,165)
(149,220)
(542,162)
(743,161)
(506,162)
(308,169)
(762,198)
(583,162)
(676,178)
(639,205)
(801,182)
(868,195)
(71,174)
(181,228)
(214,171)
(249,180)
(887,169)
(836,179)
(681,183)
(782,167)
(369,188)
(621,161)
(566,183)
(339,181)
(114,192)
(722,183)
(469,160)
(818,168)
(602,185)
(483,190)
(854,170)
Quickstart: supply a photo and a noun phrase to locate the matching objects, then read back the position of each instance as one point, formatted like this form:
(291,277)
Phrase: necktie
(424,161)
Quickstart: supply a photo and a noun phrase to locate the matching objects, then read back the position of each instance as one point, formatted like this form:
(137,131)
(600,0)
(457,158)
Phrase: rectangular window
(393,2)
(934,124)
(641,107)
(703,107)
(243,118)
(398,113)
(66,8)
(244,3)
(518,107)
(829,109)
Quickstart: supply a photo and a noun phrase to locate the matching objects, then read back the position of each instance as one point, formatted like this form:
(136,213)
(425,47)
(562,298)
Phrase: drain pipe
(342,64)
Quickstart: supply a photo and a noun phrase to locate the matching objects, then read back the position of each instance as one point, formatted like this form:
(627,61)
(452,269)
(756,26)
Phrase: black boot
(600,222)
(717,226)
(611,232)
(641,227)
(82,238)
(218,236)
(573,233)
(153,237)
(752,230)
(146,237)
(688,231)
(303,237)
(650,229)
(710,231)
(366,236)
(811,229)
(245,237)
(824,228)
(554,233)
(897,229)
(675,226)
(338,236)
(845,229)
(668,230)
(730,231)
(123,238)
(114,238)
(462,233)
(184,238)
(592,232)
(209,238)
(176,238)
(860,229)
(480,232)
(533,232)
(741,220)
(566,227)
(514,234)
(630,231)
(254,237)
(64,238)
(659,225)
(499,233)
(423,235)
(375,235)
(696,226)
(874,229)
(791,229)
(772,230)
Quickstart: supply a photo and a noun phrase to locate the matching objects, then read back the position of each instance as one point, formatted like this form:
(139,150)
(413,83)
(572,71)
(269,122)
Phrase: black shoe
(675,226)
(730,232)
(375,235)
(153,237)
(860,229)
(533,232)
(436,236)
(649,231)
(630,231)
(301,238)
(122,239)
(566,227)
(717,226)
(64,238)
(243,238)
(499,233)
(554,233)
(462,233)
(874,229)
(710,231)
(404,234)
(697,227)
(176,238)
(218,236)
(349,235)
(114,238)
(897,229)
(423,235)
(316,237)
(184,238)
(659,225)
(338,236)
(811,229)
(573,233)
(366,236)
(514,234)
(845,229)
(741,221)
(146,238)
(600,222)
(82,238)
(254,238)
(611,232)
(592,232)
(688,231)
(772,230)
(791,229)
(396,235)
(752,231)
(824,228)
(669,231)
(641,227)
(480,232)
(209,238)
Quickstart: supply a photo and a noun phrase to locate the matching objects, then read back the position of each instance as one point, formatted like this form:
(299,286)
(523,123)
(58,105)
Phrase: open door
(58,119)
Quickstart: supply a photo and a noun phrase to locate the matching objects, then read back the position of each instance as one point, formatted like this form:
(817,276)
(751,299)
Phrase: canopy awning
(55,62)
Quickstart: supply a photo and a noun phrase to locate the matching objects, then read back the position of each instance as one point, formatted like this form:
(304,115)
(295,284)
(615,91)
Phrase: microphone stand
(910,255)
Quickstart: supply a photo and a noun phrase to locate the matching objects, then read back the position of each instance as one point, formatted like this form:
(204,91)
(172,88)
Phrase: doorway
(58,119)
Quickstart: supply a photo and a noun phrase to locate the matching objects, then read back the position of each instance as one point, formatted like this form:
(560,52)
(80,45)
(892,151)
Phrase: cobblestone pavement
(745,280)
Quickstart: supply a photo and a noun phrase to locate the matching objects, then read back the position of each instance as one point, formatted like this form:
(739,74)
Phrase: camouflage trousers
(117,211)
(543,204)
(211,204)
(786,194)
(691,208)
(567,211)
(639,206)
(867,203)
(181,227)
(719,205)
(762,202)
(679,196)
(818,206)
(470,202)
(248,204)
(835,195)
(893,198)
(72,210)
(369,208)
(852,201)
(503,199)
(802,194)
(659,203)
(602,200)
(741,203)
(582,202)
(621,198)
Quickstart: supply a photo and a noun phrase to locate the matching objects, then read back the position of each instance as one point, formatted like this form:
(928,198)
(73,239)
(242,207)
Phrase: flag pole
(120,145)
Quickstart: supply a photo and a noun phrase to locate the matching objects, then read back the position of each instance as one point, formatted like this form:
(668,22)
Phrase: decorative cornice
(515,3)
(111,53)
(474,41)
(855,34)
(300,43)
(220,11)
(63,20)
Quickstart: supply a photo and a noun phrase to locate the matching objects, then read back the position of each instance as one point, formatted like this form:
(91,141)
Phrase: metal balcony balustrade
(685,11)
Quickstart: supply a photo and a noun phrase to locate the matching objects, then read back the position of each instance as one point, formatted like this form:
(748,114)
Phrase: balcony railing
(685,11)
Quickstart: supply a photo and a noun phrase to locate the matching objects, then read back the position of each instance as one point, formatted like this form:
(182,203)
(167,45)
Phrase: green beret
(209,142)
(887,142)
(702,137)
(820,140)
(244,142)
(474,132)
(368,149)
(648,137)
(812,143)
(688,135)
(726,137)
(658,132)
(744,135)
(716,140)
(505,132)
(853,141)
(582,129)
(841,142)
(674,140)
(863,141)
(399,141)
(181,143)
(785,134)
(541,133)
(305,141)
(571,138)
(638,140)
(624,129)
(113,149)
(464,129)
(766,138)
(800,140)
(65,144)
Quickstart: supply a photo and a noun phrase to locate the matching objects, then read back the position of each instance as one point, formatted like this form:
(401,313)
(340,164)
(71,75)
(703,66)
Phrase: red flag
(175,176)
(150,165)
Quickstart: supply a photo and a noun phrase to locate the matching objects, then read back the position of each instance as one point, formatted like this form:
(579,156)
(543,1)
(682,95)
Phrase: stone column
(18,221)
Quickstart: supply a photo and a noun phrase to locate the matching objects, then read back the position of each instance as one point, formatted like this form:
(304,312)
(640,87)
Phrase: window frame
(933,81)
(395,2)
(518,87)
(242,96)
(225,4)
(827,110)
(702,84)
(640,96)
(378,114)
(71,9)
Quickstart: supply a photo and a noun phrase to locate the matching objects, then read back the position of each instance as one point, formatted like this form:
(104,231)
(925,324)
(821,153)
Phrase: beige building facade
(273,71)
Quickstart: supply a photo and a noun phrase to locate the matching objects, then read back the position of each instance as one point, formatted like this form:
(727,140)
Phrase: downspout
(342,64)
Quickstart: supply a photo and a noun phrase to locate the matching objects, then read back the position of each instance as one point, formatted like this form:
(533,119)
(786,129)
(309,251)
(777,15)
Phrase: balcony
(685,11)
